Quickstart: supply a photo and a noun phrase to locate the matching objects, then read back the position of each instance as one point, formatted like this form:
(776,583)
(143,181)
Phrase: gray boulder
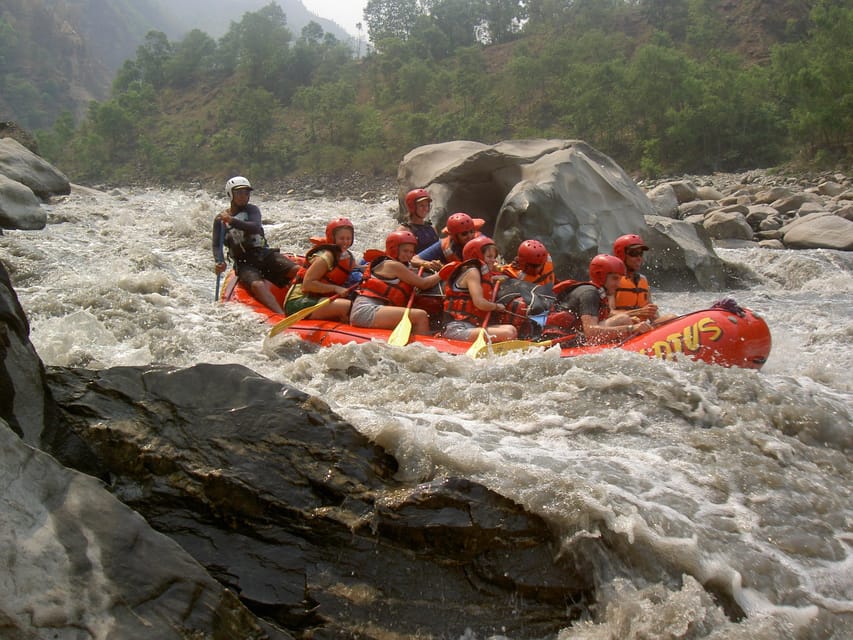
(24,401)
(679,243)
(728,224)
(21,165)
(19,207)
(570,196)
(821,230)
(75,559)
(665,200)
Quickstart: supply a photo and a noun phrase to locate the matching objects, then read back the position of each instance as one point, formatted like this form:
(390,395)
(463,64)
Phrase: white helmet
(237,182)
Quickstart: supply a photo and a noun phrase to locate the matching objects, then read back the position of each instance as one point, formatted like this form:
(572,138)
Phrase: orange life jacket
(339,273)
(458,304)
(632,293)
(392,290)
(547,276)
(448,248)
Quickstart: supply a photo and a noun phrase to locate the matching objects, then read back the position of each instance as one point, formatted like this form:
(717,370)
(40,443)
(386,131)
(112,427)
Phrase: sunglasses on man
(634,252)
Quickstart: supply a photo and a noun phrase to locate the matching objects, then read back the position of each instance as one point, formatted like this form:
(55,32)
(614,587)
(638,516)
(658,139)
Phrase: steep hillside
(58,55)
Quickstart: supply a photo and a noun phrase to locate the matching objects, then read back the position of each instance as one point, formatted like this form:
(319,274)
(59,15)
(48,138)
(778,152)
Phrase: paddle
(221,250)
(480,342)
(307,311)
(506,346)
(400,335)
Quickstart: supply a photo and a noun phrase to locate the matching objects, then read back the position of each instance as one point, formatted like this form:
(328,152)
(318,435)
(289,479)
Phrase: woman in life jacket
(633,295)
(328,267)
(460,229)
(418,203)
(532,264)
(468,298)
(588,303)
(387,286)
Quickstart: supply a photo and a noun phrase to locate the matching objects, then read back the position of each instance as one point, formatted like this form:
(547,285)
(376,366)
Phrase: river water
(705,483)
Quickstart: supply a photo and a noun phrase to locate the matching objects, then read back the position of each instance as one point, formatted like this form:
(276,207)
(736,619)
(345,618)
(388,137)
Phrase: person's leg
(335,310)
(252,279)
(501,332)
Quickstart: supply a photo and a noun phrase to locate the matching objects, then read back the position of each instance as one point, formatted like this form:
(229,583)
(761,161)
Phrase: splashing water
(713,502)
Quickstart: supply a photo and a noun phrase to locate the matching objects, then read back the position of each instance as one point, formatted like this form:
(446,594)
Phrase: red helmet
(623,242)
(334,225)
(394,239)
(462,222)
(532,252)
(413,196)
(601,265)
(473,249)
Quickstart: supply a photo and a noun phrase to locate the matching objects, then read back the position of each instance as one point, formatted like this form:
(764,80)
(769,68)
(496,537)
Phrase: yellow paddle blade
(506,346)
(400,335)
(477,345)
(293,318)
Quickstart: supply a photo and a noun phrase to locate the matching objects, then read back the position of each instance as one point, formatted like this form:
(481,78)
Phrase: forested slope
(660,85)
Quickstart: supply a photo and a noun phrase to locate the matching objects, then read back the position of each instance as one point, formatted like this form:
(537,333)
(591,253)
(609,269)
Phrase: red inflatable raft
(726,335)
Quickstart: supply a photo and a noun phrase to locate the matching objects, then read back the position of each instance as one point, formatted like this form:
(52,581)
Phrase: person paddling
(328,269)
(468,300)
(588,302)
(388,285)
(254,261)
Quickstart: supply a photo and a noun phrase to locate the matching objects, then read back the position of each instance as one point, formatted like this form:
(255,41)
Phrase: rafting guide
(239,229)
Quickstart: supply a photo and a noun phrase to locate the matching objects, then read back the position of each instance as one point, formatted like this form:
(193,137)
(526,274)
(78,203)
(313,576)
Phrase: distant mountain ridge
(58,55)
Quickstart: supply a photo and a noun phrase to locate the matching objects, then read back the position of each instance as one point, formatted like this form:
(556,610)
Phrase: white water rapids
(702,480)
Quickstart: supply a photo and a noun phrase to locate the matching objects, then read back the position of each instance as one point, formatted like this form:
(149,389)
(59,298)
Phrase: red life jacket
(633,292)
(392,290)
(339,273)
(449,250)
(458,304)
(515,271)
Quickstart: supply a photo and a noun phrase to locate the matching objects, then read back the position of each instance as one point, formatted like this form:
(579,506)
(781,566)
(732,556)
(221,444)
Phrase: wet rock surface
(299,514)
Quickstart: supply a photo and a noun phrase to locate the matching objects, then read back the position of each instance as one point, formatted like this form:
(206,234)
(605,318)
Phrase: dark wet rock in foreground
(300,515)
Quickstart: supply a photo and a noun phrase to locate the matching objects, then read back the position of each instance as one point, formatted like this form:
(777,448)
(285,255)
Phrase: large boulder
(75,559)
(21,165)
(819,230)
(19,207)
(24,401)
(300,514)
(573,198)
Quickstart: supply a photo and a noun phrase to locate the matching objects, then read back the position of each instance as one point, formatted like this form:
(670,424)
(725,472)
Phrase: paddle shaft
(221,250)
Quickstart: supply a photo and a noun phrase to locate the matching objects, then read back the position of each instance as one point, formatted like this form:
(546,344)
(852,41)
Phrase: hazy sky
(345,12)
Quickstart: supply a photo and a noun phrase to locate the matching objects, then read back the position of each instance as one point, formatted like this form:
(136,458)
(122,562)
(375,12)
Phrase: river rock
(664,200)
(24,401)
(820,230)
(21,165)
(75,559)
(19,207)
(299,514)
(728,224)
(573,198)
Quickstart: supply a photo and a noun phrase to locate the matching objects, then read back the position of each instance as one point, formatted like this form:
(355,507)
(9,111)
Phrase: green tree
(390,19)
(192,58)
(151,58)
(815,79)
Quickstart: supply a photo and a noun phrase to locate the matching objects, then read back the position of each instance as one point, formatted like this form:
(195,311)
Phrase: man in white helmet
(239,228)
